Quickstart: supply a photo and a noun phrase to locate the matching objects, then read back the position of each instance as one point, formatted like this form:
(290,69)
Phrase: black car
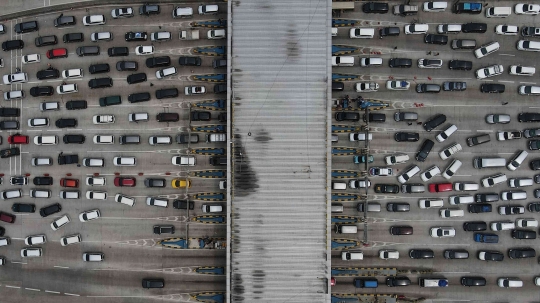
(428,88)
(167,117)
(406,137)
(183,204)
(167,93)
(187,138)
(475,226)
(523,234)
(529,117)
(473,281)
(8,125)
(23,208)
(386,188)
(454,86)
(118,51)
(400,62)
(534,207)
(12,45)
(50,210)
(73,37)
(66,122)
(136,78)
(9,112)
(347,116)
(153,283)
(398,207)
(127,66)
(219,63)
(397,281)
(149,9)
(434,122)
(99,68)
(75,105)
(474,27)
(521,253)
(222,117)
(10,152)
(375,8)
(436,39)
(139,97)
(74,139)
(460,65)
(64,21)
(190,61)
(46,40)
(136,36)
(389,31)
(486,197)
(163,229)
(43,181)
(154,182)
(421,254)
(492,255)
(38,91)
(456,254)
(220,88)
(424,151)
(338,86)
(158,61)
(49,73)
(535,164)
(200,115)
(530,31)
(492,88)
(100,82)
(26,27)
(374,117)
(67,159)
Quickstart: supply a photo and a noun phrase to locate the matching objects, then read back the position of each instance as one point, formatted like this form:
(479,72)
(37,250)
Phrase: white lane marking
(34,289)
(68,294)
(506,81)
(16,262)
(13,286)
(452,272)
(507,55)
(54,130)
(52,292)
(121,296)
(528,83)
(486,130)
(60,266)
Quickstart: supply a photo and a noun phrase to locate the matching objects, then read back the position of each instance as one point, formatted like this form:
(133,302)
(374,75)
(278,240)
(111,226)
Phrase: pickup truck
(486,238)
(183,204)
(192,34)
(508,135)
(424,282)
(468,8)
(405,10)
(10,152)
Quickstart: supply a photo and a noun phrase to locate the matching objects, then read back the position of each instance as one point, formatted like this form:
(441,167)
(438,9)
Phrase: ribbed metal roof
(280,67)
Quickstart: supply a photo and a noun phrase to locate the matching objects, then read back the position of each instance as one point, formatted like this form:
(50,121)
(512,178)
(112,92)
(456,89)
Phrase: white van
(516,161)
(69,194)
(72,239)
(342,61)
(124,161)
(361,33)
(369,62)
(509,282)
(449,28)
(466,186)
(138,117)
(513,195)
(41,161)
(484,162)
(160,36)
(520,182)
(526,45)
(519,70)
(502,225)
(208,9)
(214,34)
(31,252)
(157,140)
(352,255)
(124,199)
(339,185)
(216,138)
(416,29)
(337,208)
(345,229)
(46,140)
(11,194)
(56,224)
(93,257)
(14,94)
(182,12)
(40,193)
(451,213)
(206,208)
(530,90)
(498,12)
(461,199)
(156,202)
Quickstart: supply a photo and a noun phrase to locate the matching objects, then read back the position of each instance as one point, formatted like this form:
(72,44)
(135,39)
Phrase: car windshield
(450,173)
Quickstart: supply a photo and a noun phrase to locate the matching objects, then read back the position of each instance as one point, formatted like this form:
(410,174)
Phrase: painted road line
(60,266)
(486,130)
(528,82)
(52,292)
(13,286)
(507,55)
(34,289)
(16,262)
(68,294)
(506,81)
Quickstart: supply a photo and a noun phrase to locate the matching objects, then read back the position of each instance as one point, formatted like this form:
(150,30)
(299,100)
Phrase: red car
(125,181)
(439,187)
(18,139)
(57,53)
(66,182)
(5,217)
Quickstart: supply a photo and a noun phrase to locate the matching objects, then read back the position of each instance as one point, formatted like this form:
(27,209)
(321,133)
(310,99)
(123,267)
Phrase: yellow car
(181,183)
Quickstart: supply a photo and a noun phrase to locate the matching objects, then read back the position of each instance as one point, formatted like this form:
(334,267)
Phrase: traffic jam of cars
(462,177)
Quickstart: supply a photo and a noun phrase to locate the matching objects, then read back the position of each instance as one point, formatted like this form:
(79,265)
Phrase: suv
(46,40)
(158,61)
(424,151)
(436,39)
(49,73)
(110,100)
(189,61)
(50,210)
(76,104)
(64,21)
(12,45)
(400,62)
(149,9)
(139,97)
(375,8)
(118,51)
(460,65)
(127,66)
(100,82)
(166,93)
(99,68)
(167,117)
(73,37)
(136,78)
(26,27)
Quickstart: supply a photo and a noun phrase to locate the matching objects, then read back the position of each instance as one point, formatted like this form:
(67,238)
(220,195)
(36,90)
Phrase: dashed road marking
(60,266)
(34,289)
(13,286)
(52,292)
(68,294)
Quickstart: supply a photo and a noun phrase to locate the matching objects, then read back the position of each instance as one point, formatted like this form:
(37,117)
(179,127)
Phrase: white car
(103,119)
(498,118)
(489,71)
(359,183)
(408,174)
(124,161)
(509,282)
(71,239)
(508,135)
(526,223)
(430,203)
(446,133)
(451,169)
(527,9)
(519,70)
(366,87)
(381,171)
(451,213)
(96,181)
(96,195)
(184,160)
(493,180)
(88,215)
(502,225)
(450,150)
(67,89)
(442,232)
(33,58)
(35,240)
(510,30)
(461,199)
(103,139)
(31,252)
(15,78)
(38,122)
(56,224)
(144,50)
(435,6)
(398,85)
(371,62)
(93,20)
(396,159)
(430,63)
(360,137)
(120,198)
(122,12)
(72,73)
(169,71)
(387,254)
(359,33)
(486,49)
(430,173)
(194,90)
(101,36)
(416,29)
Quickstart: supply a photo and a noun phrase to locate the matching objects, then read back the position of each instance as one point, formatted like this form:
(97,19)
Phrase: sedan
(38,122)
(154,182)
(122,12)
(125,182)
(398,207)
(43,181)
(387,254)
(527,9)
(406,137)
(489,71)
(454,86)
(96,195)
(442,232)
(386,188)
(523,234)
(498,118)
(189,61)
(436,39)
(475,226)
(347,116)
(89,215)
(38,91)
(94,20)
(430,173)
(144,50)
(421,254)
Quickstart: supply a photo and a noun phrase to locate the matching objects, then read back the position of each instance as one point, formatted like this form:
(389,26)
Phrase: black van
(338,86)
(375,117)
(218,160)
(73,37)
(87,51)
(46,40)
(99,68)
(166,93)
(168,117)
(400,62)
(389,31)
(460,65)
(153,283)
(12,44)
(100,82)
(79,104)
(26,27)
(424,151)
(138,97)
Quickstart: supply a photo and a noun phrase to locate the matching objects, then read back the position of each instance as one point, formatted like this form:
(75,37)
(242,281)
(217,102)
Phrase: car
(31,252)
(118,51)
(18,180)
(526,9)
(434,122)
(435,6)
(189,61)
(136,36)
(89,215)
(163,229)
(100,82)
(32,58)
(167,93)
(375,8)
(17,138)
(439,187)
(511,210)
(395,159)
(35,240)
(93,20)
(11,194)
(424,151)
(144,50)
(125,181)
(74,139)
(400,62)
(73,37)
(68,182)
(136,78)
(67,89)
(9,125)
(456,254)
(400,230)
(66,122)
(489,71)
(531,132)
(122,12)
(473,27)
(490,255)
(398,207)
(380,171)
(430,63)
(406,137)
(409,173)
(498,118)
(451,169)
(9,112)
(492,88)
(430,203)
(64,21)
(450,150)
(441,137)
(397,281)
(460,65)
(103,139)
(181,183)
(139,97)
(72,73)
(50,210)
(127,66)
(166,72)
(521,253)
(359,184)
(421,254)
(38,122)
(154,182)
(366,87)
(523,234)
(101,36)
(124,161)
(99,68)
(387,254)
(360,137)
(436,39)
(386,188)
(149,9)
(43,180)
(442,232)
(509,30)
(49,73)
(451,213)
(493,180)
(477,140)
(534,144)
(96,195)
(67,159)
(454,86)
(12,45)
(57,53)
(347,116)
(153,283)
(371,62)
(529,117)
(194,90)
(475,226)
(356,33)
(38,91)
(397,84)
(23,208)
(486,197)
(26,27)
(110,100)
(15,78)
(158,61)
